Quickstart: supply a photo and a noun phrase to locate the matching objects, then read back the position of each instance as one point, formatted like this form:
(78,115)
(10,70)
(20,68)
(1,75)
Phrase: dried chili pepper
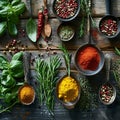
(40,23)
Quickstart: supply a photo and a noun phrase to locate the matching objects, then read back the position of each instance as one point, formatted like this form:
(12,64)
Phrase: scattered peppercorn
(109,27)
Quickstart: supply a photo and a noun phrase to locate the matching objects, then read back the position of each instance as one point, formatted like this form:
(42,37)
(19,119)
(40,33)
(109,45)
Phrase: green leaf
(13,18)
(4,12)
(16,68)
(8,81)
(12,28)
(3,26)
(3,3)
(19,9)
(3,61)
(17,56)
(31,29)
(15,2)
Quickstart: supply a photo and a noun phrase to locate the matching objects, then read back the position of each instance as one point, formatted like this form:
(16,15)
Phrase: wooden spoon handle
(45,4)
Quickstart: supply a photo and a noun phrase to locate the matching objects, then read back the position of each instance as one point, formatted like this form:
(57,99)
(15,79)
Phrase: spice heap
(66,32)
(88,58)
(26,94)
(66,8)
(108,27)
(68,90)
(106,93)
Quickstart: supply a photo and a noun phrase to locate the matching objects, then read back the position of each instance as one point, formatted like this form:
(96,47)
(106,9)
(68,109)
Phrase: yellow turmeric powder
(68,89)
(26,94)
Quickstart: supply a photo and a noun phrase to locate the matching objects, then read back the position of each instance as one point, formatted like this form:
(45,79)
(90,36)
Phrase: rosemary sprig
(46,74)
(67,58)
(85,6)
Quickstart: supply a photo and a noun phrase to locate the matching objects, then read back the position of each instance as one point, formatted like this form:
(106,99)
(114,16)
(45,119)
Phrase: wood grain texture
(34,111)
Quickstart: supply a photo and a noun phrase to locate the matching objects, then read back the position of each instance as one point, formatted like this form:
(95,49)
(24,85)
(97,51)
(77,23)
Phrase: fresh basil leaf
(16,68)
(9,97)
(17,56)
(8,81)
(12,28)
(19,9)
(3,3)
(3,26)
(13,18)
(4,12)
(3,62)
(15,2)
(31,29)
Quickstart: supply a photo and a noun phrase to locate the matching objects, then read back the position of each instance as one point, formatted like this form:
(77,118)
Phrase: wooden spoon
(47,27)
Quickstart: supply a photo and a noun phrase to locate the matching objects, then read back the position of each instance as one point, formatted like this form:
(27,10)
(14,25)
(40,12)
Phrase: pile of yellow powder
(68,89)
(26,94)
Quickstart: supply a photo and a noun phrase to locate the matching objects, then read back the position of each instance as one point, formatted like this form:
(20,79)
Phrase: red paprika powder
(88,58)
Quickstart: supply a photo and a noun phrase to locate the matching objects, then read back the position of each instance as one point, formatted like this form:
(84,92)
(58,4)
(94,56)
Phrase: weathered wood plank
(98,7)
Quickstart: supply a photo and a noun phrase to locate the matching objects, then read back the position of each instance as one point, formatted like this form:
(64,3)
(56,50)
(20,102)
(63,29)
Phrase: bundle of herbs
(9,15)
(46,73)
(9,83)
(85,6)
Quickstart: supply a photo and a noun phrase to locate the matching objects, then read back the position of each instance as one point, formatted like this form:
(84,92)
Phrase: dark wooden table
(34,112)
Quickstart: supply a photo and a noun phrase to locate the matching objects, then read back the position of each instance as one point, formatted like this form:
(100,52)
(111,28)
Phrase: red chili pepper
(40,23)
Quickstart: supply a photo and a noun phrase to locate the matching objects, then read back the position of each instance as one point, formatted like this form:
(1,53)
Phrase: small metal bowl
(69,18)
(113,96)
(68,105)
(20,89)
(89,72)
(65,32)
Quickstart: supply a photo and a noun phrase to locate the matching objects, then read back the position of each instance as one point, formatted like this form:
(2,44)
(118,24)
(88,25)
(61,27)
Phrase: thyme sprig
(46,74)
(67,58)
(89,98)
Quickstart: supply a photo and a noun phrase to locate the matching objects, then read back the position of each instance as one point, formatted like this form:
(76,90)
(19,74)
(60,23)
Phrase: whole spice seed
(106,93)
(66,8)
(108,27)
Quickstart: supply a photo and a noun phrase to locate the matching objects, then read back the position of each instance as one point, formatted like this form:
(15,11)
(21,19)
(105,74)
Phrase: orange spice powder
(88,58)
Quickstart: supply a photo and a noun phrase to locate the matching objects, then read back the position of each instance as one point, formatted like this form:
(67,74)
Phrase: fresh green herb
(116,67)
(31,29)
(9,14)
(8,83)
(67,58)
(86,11)
(46,71)
(117,51)
(88,98)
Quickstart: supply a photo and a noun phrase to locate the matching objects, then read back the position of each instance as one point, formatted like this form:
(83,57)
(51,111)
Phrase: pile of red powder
(88,58)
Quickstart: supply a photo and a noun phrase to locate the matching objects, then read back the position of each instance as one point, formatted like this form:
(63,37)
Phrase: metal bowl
(68,105)
(62,28)
(112,98)
(89,72)
(66,19)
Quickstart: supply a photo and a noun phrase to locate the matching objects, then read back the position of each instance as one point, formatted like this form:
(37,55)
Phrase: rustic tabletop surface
(34,112)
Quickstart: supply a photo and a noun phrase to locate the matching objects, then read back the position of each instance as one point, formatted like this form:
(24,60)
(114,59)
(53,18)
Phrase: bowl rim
(67,19)
(26,84)
(72,104)
(112,98)
(89,72)
(69,25)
